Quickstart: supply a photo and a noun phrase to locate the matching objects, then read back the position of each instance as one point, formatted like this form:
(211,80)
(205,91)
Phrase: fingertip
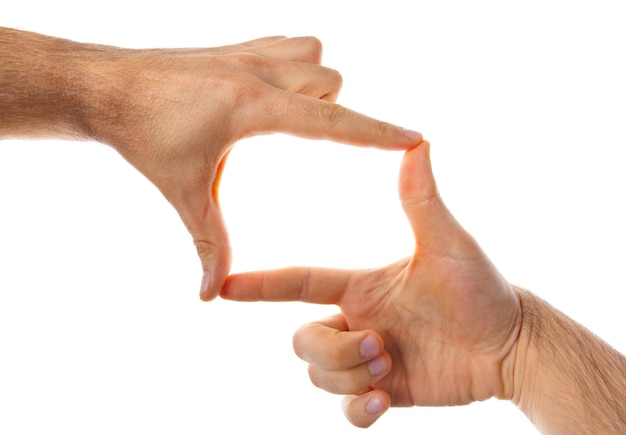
(416,182)
(207,297)
(423,146)
(208,291)
(364,410)
(399,138)
(214,275)
(370,347)
(216,258)
(225,291)
(413,135)
(392,137)
(375,406)
(204,284)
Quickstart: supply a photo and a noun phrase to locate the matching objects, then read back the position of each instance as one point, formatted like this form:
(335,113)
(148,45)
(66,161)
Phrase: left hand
(175,114)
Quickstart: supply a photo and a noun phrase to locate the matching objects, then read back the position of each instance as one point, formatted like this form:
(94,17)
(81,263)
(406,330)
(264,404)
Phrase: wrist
(37,93)
(521,374)
(97,87)
(513,358)
(525,369)
(52,87)
(567,380)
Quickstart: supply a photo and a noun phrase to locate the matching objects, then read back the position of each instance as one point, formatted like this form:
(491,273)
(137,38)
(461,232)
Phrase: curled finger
(352,380)
(363,410)
(329,345)
(301,49)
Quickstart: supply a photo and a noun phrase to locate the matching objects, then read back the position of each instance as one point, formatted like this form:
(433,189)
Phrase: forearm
(49,87)
(567,380)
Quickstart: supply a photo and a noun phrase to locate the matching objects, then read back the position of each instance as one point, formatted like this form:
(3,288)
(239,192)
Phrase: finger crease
(305,286)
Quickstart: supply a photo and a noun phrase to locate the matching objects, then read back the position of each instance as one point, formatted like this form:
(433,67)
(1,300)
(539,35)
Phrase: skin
(444,327)
(175,114)
(441,293)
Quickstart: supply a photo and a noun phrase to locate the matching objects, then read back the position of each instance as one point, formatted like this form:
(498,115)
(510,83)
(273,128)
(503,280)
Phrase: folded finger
(363,410)
(260,42)
(352,380)
(295,77)
(302,49)
(293,64)
(329,345)
(225,49)
(309,79)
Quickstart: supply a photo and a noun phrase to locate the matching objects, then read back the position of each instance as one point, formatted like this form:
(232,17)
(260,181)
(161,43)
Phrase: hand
(439,328)
(175,114)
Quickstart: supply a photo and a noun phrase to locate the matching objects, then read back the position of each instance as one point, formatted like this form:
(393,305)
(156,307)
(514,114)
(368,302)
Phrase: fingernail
(206,281)
(378,366)
(375,405)
(413,135)
(369,347)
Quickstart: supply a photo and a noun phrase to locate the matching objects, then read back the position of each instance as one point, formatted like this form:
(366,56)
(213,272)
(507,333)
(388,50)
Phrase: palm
(447,317)
(446,335)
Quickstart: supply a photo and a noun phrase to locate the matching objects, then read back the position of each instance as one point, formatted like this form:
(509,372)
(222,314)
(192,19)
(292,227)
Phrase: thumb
(204,221)
(212,243)
(201,214)
(432,223)
(214,251)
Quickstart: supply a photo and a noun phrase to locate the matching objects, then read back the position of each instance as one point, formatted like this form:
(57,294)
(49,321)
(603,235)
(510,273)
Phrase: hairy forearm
(567,380)
(49,87)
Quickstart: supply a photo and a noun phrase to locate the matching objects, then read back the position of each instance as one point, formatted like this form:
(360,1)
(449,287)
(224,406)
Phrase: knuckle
(337,355)
(246,60)
(335,360)
(305,285)
(345,382)
(383,128)
(247,96)
(313,46)
(315,378)
(298,342)
(335,79)
(204,248)
(231,88)
(331,115)
(207,251)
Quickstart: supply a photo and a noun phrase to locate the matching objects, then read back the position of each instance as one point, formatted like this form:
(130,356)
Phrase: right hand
(439,328)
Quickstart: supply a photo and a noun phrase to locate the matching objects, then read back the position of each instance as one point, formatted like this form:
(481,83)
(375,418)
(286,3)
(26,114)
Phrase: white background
(101,328)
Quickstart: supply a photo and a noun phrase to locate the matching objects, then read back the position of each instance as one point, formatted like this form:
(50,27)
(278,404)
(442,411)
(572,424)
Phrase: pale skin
(175,114)
(444,327)
(440,328)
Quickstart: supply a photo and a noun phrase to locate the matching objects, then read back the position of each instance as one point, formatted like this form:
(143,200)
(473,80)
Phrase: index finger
(312,118)
(305,284)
